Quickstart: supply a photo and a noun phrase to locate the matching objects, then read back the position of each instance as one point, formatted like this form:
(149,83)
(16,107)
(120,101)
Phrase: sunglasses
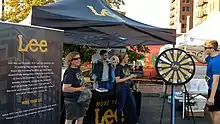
(75,59)
(208,48)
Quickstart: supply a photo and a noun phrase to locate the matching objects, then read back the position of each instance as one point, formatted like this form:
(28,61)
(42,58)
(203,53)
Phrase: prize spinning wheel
(175,66)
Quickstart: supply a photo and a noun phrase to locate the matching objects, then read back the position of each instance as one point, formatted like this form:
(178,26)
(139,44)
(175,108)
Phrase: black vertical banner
(30,69)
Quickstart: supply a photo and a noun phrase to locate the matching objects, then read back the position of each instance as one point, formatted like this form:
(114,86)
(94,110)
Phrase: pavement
(151,112)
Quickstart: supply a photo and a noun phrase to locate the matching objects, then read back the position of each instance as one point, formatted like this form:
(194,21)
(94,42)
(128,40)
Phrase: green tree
(133,52)
(16,11)
(85,52)
(115,3)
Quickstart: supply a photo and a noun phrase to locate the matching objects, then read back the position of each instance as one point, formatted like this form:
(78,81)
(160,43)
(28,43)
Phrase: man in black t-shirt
(72,87)
(75,78)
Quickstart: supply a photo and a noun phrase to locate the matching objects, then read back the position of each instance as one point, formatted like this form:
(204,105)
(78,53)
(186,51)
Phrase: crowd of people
(114,74)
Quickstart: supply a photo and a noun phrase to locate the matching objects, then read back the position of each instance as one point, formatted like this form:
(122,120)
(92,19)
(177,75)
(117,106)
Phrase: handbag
(85,98)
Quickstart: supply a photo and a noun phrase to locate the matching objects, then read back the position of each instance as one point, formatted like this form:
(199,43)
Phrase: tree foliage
(85,52)
(137,52)
(16,11)
(115,3)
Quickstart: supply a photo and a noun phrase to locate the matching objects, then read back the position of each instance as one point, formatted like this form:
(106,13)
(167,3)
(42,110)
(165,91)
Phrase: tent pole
(173,101)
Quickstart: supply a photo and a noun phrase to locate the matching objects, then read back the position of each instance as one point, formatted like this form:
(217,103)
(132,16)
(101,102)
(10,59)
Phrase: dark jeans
(124,95)
(105,84)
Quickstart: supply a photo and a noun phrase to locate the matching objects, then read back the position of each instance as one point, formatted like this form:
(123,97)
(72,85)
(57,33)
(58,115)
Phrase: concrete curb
(162,94)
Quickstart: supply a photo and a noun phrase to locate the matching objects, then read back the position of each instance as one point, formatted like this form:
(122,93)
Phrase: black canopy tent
(92,22)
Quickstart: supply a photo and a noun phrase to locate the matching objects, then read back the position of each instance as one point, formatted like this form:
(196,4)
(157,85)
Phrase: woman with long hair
(123,92)
(73,85)
(114,62)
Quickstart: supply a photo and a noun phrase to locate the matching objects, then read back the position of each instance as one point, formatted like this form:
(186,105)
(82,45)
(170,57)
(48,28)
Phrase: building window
(187,1)
(184,8)
(213,6)
(183,17)
(187,8)
(184,1)
(183,25)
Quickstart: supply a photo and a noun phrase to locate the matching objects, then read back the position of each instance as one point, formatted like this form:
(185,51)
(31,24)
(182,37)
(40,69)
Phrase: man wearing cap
(211,57)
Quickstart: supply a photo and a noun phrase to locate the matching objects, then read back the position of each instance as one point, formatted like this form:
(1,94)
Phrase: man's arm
(201,60)
(214,85)
(67,83)
(94,71)
(96,67)
(69,89)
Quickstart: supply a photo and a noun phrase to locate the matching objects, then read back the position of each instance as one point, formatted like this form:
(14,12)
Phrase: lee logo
(103,12)
(33,45)
(109,117)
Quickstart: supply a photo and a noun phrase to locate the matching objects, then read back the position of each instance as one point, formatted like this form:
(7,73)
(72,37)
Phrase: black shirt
(122,72)
(74,77)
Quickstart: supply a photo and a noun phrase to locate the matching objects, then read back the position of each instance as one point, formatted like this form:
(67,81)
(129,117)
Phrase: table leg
(138,86)
(164,87)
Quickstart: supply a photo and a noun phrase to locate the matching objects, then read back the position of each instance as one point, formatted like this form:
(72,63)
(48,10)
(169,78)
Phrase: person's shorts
(216,106)
(74,111)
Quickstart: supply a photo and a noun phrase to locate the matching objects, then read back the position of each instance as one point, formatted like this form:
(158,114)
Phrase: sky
(152,12)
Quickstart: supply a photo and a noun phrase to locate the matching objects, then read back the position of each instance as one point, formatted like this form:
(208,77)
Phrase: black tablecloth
(103,108)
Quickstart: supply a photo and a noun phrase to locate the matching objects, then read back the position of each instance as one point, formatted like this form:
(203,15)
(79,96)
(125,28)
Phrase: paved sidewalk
(156,88)
(151,111)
